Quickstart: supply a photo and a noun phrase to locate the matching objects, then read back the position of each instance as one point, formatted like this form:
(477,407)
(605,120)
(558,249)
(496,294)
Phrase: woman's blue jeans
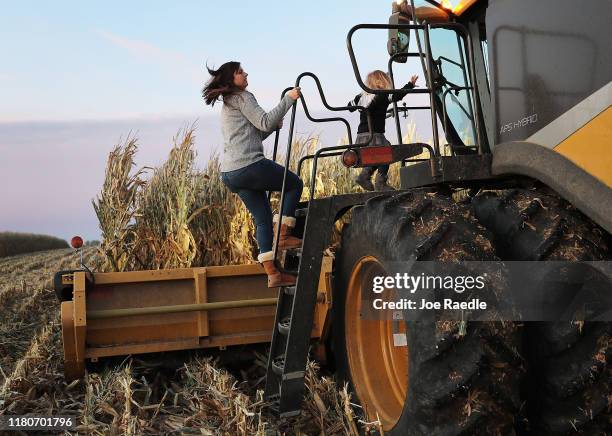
(251,184)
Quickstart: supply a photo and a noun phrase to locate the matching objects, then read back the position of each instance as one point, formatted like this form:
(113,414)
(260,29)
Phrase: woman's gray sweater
(245,125)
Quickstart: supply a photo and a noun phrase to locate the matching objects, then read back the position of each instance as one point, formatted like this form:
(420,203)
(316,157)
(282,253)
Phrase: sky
(76,77)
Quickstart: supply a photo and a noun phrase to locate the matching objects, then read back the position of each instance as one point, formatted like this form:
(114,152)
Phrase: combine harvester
(523,102)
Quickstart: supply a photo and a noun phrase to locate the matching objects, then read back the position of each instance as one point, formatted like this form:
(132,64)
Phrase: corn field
(178,215)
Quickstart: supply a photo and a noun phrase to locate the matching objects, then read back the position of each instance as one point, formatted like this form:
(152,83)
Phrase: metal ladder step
(295,313)
(278,365)
(280,383)
(274,405)
(289,260)
(284,325)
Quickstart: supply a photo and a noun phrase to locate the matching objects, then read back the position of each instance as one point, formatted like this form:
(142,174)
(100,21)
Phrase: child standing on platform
(377,105)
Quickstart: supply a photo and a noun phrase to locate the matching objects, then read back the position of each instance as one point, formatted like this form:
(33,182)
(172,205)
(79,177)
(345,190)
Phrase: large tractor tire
(439,380)
(569,386)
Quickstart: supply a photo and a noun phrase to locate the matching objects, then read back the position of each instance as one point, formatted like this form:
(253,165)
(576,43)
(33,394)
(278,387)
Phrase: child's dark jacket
(377,105)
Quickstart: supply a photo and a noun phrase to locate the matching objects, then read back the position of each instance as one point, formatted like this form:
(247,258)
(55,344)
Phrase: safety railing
(318,153)
(398,129)
(424,56)
(313,119)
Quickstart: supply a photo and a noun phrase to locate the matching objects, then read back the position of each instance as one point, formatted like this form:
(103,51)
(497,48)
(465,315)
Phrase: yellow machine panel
(590,147)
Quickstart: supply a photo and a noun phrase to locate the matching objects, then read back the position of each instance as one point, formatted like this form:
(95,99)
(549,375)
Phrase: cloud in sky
(170,60)
(141,48)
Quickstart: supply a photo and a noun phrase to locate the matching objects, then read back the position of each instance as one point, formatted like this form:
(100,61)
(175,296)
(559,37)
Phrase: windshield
(453,99)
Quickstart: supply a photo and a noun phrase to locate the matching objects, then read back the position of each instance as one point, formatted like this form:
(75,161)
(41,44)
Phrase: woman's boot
(286,240)
(275,277)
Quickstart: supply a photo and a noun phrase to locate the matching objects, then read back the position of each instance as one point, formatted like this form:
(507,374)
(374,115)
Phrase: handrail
(325,120)
(336,108)
(429,74)
(313,172)
(313,119)
(459,28)
(286,90)
(406,109)
(392,58)
(319,87)
(349,44)
(290,140)
(427,71)
(327,106)
(311,156)
(471,104)
(322,95)
(450,60)
(319,154)
(284,184)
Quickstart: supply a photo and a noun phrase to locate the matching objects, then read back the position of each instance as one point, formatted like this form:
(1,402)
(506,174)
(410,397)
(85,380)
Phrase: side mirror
(398,40)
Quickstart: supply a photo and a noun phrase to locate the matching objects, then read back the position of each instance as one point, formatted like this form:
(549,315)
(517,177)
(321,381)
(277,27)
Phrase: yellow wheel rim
(379,368)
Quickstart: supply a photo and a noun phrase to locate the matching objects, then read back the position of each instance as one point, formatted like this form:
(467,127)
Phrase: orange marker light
(76,242)
(349,158)
(462,6)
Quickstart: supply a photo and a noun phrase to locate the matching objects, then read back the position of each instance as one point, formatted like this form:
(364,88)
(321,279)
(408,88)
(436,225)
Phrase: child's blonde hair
(378,79)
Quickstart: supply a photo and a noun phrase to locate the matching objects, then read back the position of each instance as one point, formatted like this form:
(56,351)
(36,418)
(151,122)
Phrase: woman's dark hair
(221,84)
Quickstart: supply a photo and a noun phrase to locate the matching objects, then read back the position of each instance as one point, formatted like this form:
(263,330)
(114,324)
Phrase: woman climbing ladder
(245,170)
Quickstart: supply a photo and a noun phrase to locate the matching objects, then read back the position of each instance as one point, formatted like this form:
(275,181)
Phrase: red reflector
(76,242)
(376,155)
